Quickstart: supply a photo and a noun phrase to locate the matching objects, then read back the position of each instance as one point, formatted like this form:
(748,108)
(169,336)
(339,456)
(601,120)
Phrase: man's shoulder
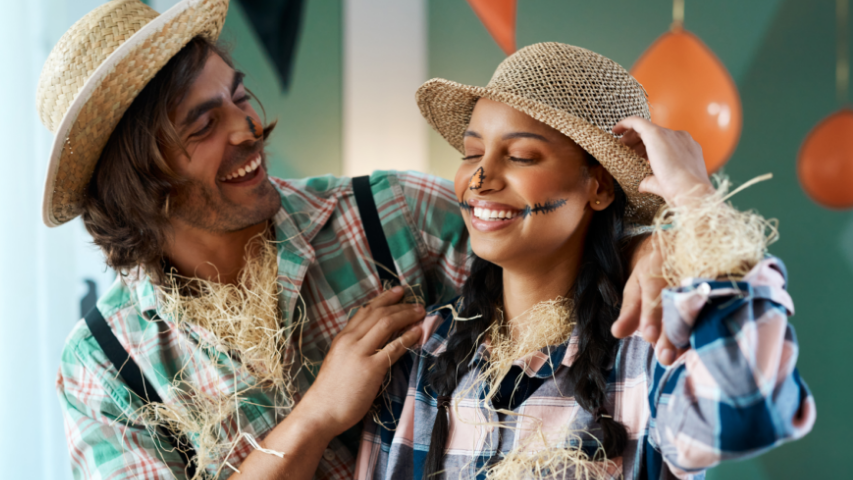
(329,186)
(118,301)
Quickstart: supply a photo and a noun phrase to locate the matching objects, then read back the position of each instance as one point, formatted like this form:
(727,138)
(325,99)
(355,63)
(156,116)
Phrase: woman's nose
(488,177)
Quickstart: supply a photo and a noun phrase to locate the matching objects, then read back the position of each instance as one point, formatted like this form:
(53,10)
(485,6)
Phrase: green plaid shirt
(323,257)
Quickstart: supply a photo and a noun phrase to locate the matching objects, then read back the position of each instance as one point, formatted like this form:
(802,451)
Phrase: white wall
(41,269)
(385,61)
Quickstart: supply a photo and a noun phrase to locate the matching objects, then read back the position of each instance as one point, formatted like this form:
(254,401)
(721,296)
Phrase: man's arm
(105,444)
(440,228)
(346,386)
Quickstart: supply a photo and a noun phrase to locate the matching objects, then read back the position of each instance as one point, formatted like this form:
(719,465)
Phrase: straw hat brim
(448,106)
(94,113)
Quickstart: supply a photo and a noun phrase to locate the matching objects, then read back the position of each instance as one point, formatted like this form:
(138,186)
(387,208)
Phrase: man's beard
(205,207)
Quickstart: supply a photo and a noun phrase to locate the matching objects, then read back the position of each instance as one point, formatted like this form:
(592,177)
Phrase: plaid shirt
(735,393)
(323,256)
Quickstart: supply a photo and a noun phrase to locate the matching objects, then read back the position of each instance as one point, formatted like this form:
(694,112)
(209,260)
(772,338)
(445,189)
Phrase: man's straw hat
(575,91)
(92,76)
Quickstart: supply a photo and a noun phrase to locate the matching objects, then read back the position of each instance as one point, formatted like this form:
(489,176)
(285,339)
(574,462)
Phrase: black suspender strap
(373,229)
(134,379)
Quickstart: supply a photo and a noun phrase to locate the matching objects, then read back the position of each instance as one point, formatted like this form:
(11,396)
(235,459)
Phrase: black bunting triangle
(277,24)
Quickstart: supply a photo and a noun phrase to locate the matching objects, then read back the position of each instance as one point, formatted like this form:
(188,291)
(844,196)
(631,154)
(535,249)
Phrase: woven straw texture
(578,92)
(84,76)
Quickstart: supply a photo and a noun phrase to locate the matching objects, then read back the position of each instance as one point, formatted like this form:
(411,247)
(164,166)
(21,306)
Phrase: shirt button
(704,288)
(329,454)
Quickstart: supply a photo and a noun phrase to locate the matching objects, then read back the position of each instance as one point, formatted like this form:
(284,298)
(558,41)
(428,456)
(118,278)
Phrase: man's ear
(601,188)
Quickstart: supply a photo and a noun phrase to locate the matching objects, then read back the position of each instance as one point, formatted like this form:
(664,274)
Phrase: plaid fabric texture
(323,258)
(735,393)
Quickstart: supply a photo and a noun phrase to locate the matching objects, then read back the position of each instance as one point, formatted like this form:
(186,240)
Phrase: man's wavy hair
(127,206)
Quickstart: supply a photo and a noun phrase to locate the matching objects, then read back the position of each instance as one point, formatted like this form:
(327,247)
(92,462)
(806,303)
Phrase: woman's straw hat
(578,92)
(92,76)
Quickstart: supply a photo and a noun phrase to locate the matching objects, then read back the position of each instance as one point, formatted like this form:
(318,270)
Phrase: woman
(522,376)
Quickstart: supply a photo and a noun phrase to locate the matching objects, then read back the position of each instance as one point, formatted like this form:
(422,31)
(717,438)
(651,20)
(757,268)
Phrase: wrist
(694,195)
(310,418)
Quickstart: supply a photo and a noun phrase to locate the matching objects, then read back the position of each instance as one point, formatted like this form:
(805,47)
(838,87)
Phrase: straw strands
(709,238)
(242,326)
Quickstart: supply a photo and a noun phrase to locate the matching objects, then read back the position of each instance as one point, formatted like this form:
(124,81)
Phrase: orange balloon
(825,162)
(690,89)
(499,18)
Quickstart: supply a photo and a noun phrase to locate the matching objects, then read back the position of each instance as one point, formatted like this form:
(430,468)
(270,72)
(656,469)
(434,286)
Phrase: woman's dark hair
(127,206)
(597,297)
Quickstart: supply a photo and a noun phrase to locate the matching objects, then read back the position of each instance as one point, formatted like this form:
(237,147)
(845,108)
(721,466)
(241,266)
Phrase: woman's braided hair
(597,297)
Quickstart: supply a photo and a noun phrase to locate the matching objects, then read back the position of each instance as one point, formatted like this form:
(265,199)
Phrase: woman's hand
(359,358)
(679,172)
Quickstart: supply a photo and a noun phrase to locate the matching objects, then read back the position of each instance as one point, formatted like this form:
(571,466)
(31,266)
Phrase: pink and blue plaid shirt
(735,393)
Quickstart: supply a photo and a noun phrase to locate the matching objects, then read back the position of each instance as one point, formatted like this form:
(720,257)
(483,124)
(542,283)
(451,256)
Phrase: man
(159,149)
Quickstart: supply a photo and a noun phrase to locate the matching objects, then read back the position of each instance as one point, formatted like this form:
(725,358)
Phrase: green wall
(307,139)
(781,54)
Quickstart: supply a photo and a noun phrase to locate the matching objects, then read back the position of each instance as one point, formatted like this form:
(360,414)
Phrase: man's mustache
(238,156)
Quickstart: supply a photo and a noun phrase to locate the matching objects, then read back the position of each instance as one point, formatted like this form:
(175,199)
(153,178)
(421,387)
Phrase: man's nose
(244,128)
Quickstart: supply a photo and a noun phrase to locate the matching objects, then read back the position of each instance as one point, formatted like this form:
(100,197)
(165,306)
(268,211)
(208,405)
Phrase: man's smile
(243,172)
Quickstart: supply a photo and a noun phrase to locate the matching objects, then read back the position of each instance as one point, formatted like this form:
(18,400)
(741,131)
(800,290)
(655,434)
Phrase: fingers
(386,298)
(365,319)
(394,350)
(651,315)
(629,314)
(666,351)
(387,325)
(650,184)
(632,140)
(638,124)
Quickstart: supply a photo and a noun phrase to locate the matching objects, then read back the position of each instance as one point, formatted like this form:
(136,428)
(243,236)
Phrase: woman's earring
(597,202)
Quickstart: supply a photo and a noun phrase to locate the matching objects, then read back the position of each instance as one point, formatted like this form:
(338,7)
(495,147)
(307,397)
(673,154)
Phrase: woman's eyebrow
(510,136)
(471,133)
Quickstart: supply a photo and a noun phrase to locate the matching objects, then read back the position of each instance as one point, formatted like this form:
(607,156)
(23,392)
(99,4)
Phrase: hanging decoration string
(842,62)
(677,14)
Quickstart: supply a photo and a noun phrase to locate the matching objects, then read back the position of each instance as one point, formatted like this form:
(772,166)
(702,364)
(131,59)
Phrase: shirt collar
(302,215)
(541,364)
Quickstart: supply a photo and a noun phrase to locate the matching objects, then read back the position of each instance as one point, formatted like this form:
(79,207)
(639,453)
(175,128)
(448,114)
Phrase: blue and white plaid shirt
(735,393)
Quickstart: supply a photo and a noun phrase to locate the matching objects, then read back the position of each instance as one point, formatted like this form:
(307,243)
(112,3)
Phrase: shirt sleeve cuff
(682,305)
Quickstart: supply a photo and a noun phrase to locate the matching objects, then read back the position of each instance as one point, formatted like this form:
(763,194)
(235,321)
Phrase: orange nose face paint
(477,179)
(256,130)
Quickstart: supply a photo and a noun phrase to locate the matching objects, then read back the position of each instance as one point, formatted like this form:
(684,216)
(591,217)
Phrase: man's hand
(360,356)
(345,388)
(679,175)
(641,303)
(678,167)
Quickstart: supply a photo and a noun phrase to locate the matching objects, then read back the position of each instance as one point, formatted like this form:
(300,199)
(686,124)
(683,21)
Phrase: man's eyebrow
(238,79)
(471,133)
(535,136)
(200,110)
(209,105)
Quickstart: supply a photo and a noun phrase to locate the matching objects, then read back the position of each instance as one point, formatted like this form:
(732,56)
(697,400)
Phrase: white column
(42,271)
(385,61)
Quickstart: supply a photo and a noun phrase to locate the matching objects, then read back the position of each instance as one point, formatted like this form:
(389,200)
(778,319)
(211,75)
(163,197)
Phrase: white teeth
(242,171)
(486,214)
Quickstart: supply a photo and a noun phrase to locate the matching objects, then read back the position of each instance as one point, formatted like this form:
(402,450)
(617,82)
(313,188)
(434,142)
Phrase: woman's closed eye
(524,161)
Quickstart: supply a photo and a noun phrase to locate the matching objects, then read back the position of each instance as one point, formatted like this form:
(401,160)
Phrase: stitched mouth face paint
(465,206)
(254,128)
(477,179)
(542,208)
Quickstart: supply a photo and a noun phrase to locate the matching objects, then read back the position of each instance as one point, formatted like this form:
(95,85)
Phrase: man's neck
(217,257)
